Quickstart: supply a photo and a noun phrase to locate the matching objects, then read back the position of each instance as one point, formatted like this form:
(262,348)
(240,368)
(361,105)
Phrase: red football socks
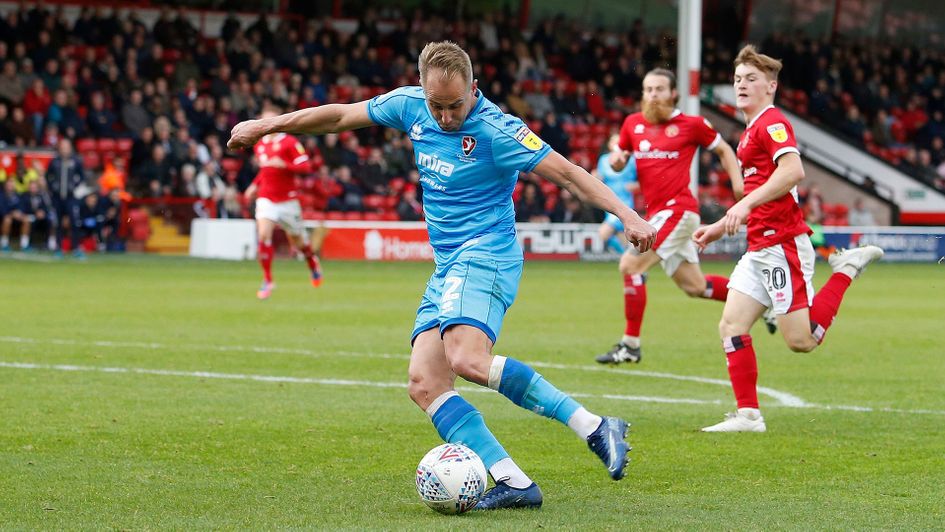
(742,369)
(827,303)
(634,302)
(716,287)
(265,253)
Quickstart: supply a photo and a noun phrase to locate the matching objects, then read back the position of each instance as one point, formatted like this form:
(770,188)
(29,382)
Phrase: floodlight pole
(688,67)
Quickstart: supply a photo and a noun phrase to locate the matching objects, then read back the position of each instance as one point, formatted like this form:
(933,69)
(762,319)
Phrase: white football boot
(742,420)
(852,262)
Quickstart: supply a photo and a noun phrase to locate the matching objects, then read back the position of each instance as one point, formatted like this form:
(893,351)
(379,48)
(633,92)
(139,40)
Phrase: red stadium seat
(335,215)
(84,145)
(106,145)
(124,145)
(354,216)
(390,216)
(373,201)
(372,217)
(231,164)
(91,160)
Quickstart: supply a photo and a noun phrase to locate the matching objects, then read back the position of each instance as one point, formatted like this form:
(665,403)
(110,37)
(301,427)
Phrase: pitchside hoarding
(407,241)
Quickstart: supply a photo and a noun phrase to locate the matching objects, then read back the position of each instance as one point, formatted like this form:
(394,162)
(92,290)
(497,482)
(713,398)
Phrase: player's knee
(422,389)
(728,328)
(800,343)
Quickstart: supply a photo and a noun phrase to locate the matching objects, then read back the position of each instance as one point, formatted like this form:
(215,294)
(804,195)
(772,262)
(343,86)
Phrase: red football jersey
(278,184)
(663,154)
(767,137)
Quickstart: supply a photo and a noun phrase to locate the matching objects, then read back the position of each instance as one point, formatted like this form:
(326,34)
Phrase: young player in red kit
(281,157)
(776,270)
(663,142)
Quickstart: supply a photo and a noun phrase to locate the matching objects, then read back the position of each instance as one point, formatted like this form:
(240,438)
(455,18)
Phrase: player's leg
(74,229)
(265,226)
(609,232)
(477,293)
(26,225)
(431,388)
(633,268)
(5,228)
(847,265)
(747,301)
(290,218)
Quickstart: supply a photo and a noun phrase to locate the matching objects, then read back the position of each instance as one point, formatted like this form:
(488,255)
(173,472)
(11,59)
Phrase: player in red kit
(776,270)
(663,142)
(281,157)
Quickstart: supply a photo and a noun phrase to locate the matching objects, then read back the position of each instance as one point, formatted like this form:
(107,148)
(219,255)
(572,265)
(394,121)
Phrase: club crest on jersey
(526,138)
(416,132)
(638,129)
(645,145)
(469,144)
(778,132)
(672,130)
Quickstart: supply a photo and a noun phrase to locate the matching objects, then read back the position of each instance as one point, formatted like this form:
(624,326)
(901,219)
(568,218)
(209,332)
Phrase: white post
(688,67)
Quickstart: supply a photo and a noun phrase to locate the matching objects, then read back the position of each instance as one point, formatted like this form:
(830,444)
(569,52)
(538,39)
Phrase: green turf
(126,450)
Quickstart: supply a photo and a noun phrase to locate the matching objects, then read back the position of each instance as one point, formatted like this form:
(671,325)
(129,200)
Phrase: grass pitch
(156,393)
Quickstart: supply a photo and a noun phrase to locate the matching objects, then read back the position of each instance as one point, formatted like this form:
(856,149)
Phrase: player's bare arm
(562,172)
(729,162)
(707,234)
(331,118)
(250,191)
(789,173)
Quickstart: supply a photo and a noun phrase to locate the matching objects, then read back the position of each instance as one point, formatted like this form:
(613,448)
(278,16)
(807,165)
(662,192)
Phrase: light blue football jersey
(467,175)
(618,181)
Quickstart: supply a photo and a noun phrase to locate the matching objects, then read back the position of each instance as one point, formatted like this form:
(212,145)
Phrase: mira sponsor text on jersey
(467,175)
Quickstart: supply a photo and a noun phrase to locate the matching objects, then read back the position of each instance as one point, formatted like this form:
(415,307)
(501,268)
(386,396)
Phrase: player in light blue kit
(469,154)
(624,184)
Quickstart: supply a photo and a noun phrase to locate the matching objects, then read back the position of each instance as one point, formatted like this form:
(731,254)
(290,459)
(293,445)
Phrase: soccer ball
(451,478)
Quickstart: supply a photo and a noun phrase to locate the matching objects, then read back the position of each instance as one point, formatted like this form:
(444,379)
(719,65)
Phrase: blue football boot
(504,496)
(609,444)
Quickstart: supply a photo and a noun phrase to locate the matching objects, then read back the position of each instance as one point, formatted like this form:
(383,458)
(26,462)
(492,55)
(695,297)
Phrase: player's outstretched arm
(562,172)
(789,173)
(730,164)
(618,159)
(331,118)
(707,234)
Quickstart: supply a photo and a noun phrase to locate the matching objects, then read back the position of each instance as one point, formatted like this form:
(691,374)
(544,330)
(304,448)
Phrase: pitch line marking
(783,398)
(401,385)
(306,380)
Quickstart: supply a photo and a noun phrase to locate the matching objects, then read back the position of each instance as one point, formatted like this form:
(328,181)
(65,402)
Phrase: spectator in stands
(227,203)
(10,89)
(516,102)
(156,176)
(64,176)
(531,206)
(569,209)
(373,173)
(13,209)
(38,207)
(209,181)
(409,209)
(36,104)
(859,215)
(352,195)
(64,114)
(853,125)
(21,128)
(554,135)
(101,120)
(134,116)
(6,134)
(331,151)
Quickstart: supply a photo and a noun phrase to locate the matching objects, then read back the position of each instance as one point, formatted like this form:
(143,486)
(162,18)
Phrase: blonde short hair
(749,56)
(448,57)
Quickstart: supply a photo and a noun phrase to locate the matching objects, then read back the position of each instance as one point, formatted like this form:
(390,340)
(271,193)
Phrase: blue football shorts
(469,290)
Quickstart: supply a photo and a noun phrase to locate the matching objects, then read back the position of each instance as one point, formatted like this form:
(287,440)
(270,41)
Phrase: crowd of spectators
(150,108)
(887,98)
